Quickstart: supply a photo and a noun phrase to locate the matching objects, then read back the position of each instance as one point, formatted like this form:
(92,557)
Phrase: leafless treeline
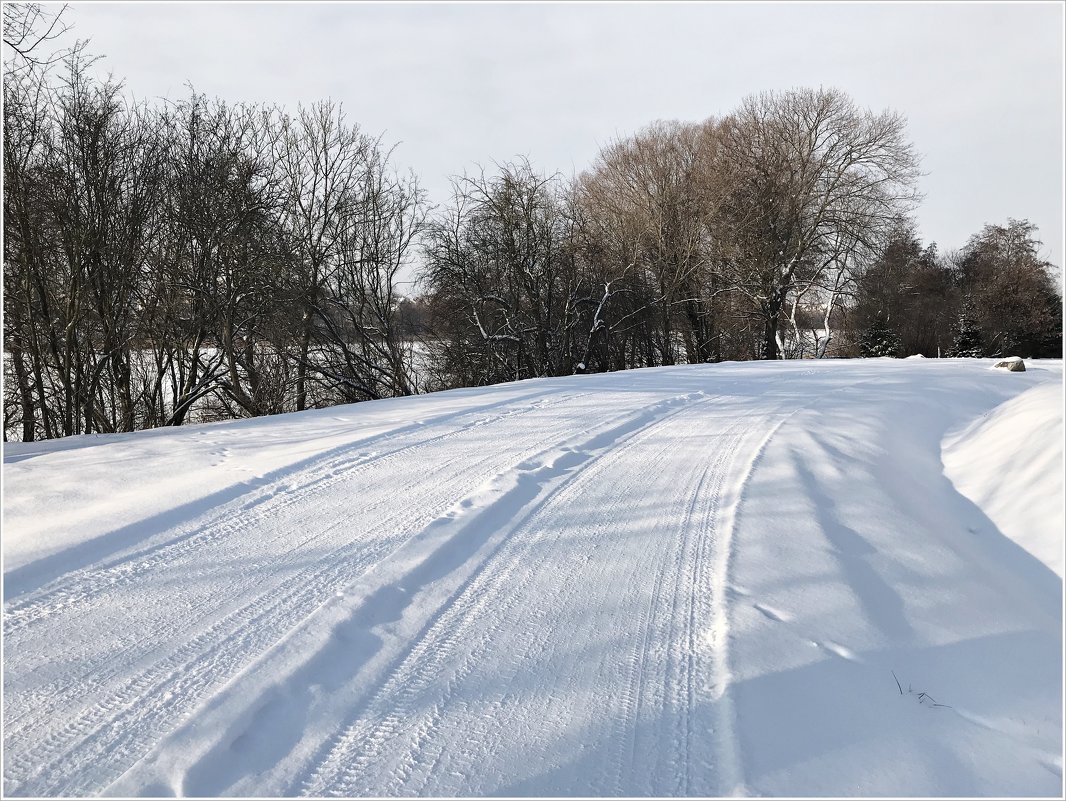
(687,242)
(227,257)
(200,260)
(782,230)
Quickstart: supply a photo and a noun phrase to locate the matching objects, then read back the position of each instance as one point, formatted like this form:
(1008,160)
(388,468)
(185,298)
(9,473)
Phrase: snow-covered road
(680,581)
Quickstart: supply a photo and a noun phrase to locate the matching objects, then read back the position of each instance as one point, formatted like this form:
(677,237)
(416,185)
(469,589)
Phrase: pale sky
(461,84)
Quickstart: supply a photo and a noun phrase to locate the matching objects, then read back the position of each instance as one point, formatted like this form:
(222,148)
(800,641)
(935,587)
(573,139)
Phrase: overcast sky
(460,84)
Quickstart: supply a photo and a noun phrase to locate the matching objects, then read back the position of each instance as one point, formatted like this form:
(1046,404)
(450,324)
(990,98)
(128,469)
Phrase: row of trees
(779,231)
(685,242)
(232,259)
(199,260)
(995,297)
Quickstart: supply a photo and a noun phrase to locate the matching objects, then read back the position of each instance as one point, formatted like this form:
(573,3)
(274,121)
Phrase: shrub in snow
(879,340)
(1012,363)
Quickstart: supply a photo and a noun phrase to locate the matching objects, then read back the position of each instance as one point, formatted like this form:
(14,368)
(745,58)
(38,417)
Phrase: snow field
(678,581)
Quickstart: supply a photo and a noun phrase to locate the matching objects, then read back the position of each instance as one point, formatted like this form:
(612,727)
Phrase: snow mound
(1009,463)
(915,356)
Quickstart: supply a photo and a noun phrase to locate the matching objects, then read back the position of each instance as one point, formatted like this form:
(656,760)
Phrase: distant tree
(351,223)
(201,260)
(911,287)
(500,270)
(646,204)
(28,28)
(192,260)
(1015,297)
(82,184)
(968,343)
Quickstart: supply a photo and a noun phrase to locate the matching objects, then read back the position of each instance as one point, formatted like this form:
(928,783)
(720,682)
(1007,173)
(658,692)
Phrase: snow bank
(1009,463)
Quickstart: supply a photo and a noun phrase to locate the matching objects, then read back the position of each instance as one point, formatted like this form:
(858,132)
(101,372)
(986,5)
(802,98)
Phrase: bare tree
(807,173)
(500,266)
(1014,295)
(909,290)
(651,196)
(28,29)
(200,260)
(321,159)
(26,241)
(364,351)
(81,181)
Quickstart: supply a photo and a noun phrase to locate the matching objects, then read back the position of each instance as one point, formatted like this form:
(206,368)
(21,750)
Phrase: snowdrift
(1009,463)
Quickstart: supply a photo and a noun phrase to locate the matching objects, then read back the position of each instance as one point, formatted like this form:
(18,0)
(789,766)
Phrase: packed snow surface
(754,579)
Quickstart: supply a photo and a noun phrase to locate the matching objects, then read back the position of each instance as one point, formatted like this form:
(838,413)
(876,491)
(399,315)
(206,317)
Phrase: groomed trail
(752,579)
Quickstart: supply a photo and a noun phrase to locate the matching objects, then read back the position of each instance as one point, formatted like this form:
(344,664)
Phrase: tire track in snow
(278,489)
(369,758)
(631,760)
(185,518)
(632,698)
(704,509)
(186,673)
(473,522)
(729,761)
(691,586)
(235,523)
(528,486)
(492,594)
(231,644)
(96,674)
(730,764)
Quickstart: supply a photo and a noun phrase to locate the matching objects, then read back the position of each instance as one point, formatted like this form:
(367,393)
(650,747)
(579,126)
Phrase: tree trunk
(29,426)
(771,323)
(301,365)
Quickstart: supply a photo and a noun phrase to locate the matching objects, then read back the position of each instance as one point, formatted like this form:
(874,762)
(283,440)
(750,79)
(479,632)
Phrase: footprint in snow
(773,614)
(837,649)
(1052,764)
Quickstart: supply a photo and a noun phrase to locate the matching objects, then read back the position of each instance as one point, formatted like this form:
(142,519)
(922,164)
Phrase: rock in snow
(1012,363)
